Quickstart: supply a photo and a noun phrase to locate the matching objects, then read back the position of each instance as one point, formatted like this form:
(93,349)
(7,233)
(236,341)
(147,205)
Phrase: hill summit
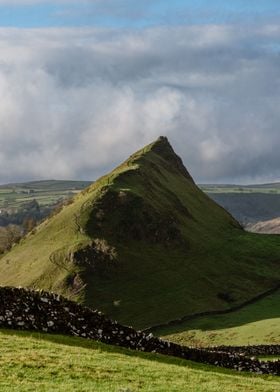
(145,245)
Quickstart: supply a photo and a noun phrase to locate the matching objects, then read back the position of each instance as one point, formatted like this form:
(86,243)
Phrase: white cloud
(75,102)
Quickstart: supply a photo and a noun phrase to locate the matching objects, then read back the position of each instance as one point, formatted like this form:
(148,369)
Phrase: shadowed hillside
(145,245)
(249,208)
(257,323)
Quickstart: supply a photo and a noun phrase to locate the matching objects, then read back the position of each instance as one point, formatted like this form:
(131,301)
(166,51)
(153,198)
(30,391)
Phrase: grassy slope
(258,323)
(55,363)
(28,264)
(152,283)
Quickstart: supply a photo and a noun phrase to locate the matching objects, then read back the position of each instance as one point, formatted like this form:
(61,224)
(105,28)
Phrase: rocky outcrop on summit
(163,148)
(21,309)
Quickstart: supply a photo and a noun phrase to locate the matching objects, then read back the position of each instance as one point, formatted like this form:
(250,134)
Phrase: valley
(35,199)
(248,204)
(130,261)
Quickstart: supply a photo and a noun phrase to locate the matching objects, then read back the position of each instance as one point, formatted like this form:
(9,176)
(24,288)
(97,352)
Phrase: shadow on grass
(110,349)
(265,309)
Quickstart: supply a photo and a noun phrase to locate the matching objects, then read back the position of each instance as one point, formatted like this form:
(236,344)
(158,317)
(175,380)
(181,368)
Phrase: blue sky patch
(134,14)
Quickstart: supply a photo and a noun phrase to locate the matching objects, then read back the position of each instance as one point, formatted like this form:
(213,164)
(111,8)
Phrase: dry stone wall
(21,309)
(194,316)
(254,350)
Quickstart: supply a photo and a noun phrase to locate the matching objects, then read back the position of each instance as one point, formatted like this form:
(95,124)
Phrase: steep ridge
(145,245)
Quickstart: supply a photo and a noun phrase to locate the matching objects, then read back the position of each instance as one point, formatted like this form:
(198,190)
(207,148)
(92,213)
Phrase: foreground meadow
(41,362)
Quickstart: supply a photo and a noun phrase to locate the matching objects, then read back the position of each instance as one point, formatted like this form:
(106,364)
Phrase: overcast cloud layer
(76,102)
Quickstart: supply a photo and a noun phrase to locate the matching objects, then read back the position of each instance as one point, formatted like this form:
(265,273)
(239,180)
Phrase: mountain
(145,245)
(266,227)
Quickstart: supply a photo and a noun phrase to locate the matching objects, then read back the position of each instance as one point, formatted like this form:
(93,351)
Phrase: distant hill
(270,186)
(248,204)
(145,245)
(230,188)
(266,227)
(48,185)
(249,207)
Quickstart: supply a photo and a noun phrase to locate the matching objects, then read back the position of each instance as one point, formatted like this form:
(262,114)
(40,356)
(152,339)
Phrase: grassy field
(45,192)
(258,323)
(165,249)
(262,188)
(271,358)
(40,362)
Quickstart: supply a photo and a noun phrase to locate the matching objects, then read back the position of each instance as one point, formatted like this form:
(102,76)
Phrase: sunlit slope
(266,227)
(43,362)
(258,323)
(145,245)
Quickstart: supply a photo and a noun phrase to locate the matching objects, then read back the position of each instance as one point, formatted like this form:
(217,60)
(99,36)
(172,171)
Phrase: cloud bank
(75,102)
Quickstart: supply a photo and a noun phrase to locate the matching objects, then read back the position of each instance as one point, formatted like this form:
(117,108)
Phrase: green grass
(151,281)
(40,362)
(269,358)
(258,323)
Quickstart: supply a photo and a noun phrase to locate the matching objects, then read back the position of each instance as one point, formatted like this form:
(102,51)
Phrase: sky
(83,84)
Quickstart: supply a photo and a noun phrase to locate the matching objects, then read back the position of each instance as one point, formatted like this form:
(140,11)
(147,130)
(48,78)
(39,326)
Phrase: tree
(28,224)
(9,236)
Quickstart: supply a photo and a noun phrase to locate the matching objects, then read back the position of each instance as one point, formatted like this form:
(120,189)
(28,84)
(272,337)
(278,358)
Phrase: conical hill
(145,245)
